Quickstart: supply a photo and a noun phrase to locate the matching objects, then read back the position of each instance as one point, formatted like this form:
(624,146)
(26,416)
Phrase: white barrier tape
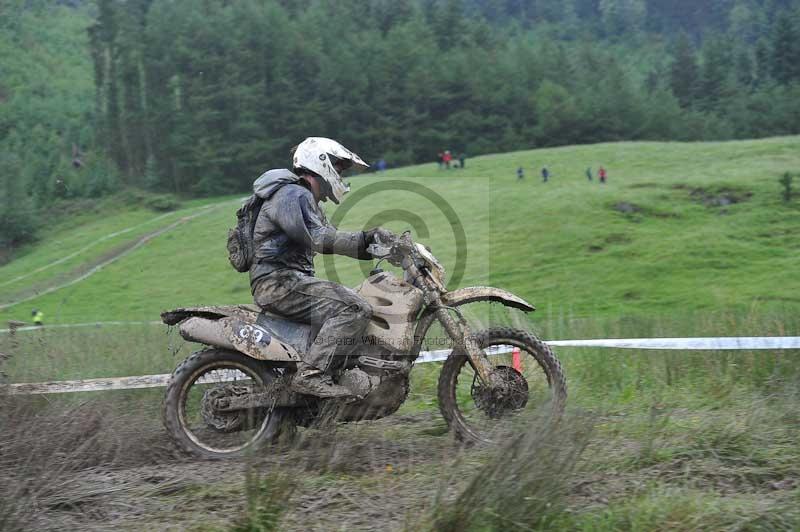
(154,381)
(441,354)
(115,383)
(693,344)
(713,343)
(90,385)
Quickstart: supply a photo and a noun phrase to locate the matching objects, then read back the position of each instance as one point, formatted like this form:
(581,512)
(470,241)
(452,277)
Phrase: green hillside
(684,239)
(696,226)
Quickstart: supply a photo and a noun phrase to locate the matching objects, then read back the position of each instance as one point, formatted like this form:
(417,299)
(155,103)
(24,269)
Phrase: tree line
(197,97)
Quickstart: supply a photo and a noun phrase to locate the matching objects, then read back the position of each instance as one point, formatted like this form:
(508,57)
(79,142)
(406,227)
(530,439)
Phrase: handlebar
(393,250)
(417,262)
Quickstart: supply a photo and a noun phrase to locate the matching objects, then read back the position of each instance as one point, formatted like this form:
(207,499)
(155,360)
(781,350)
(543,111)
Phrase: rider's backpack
(241,248)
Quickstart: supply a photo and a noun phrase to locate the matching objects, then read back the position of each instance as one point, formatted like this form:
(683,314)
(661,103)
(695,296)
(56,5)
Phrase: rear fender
(245,312)
(233,333)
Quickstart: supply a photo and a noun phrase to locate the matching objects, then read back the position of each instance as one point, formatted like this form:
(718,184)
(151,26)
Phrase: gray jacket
(291,228)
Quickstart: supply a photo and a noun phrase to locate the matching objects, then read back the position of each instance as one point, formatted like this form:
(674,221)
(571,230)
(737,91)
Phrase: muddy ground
(98,466)
(86,467)
(78,469)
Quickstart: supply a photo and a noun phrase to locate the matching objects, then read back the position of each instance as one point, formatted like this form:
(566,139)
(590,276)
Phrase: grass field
(653,240)
(684,240)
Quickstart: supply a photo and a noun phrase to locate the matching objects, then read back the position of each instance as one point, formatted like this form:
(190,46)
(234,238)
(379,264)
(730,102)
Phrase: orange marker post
(516,360)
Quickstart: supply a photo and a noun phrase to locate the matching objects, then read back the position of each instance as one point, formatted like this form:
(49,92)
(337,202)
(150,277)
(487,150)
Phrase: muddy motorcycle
(235,396)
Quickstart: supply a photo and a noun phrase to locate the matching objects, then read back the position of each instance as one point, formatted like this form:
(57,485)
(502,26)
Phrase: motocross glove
(378,235)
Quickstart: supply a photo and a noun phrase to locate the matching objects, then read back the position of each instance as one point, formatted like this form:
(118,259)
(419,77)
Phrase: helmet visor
(341,165)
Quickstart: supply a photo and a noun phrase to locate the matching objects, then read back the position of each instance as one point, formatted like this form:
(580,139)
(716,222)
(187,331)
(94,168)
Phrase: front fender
(463,296)
(474,294)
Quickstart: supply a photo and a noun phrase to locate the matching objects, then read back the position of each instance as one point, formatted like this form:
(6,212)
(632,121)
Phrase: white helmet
(320,156)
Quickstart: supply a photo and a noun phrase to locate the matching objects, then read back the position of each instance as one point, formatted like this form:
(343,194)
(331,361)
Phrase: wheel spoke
(479,412)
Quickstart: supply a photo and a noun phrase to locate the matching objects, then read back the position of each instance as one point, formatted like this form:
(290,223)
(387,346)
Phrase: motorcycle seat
(296,334)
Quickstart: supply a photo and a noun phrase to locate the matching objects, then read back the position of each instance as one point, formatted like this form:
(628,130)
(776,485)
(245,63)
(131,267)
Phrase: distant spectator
(440,159)
(447,158)
(462,159)
(381,165)
(589,173)
(520,174)
(38,317)
(60,187)
(602,174)
(545,174)
(76,157)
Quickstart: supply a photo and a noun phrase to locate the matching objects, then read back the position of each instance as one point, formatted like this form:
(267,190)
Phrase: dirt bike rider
(290,230)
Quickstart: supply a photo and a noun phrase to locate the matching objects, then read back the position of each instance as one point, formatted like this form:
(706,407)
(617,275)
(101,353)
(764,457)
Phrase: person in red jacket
(447,158)
(601,173)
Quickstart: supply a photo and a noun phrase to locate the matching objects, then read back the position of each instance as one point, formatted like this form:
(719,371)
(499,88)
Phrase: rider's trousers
(341,314)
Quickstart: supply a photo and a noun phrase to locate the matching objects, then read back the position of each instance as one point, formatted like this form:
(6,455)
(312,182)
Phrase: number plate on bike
(257,341)
(253,333)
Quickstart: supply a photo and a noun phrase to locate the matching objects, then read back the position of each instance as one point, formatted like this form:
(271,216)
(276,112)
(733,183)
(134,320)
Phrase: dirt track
(360,477)
(86,270)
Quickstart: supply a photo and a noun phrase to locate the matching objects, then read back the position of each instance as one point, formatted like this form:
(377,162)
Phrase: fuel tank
(395,305)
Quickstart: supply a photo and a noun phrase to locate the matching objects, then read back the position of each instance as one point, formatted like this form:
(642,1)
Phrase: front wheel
(192,418)
(536,386)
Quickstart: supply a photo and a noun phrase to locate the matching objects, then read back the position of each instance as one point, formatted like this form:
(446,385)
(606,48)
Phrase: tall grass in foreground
(734,467)
(523,484)
(730,468)
(666,440)
(267,498)
(682,440)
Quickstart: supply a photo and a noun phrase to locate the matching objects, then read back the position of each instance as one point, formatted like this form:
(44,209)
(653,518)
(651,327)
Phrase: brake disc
(495,402)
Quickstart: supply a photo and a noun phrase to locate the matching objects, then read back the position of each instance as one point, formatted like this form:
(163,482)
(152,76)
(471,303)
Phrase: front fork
(461,335)
(458,330)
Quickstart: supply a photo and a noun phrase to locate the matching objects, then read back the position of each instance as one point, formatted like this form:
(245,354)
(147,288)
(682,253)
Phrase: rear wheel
(191,413)
(536,389)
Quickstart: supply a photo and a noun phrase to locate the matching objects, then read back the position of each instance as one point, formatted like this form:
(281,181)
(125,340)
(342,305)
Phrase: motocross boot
(312,381)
